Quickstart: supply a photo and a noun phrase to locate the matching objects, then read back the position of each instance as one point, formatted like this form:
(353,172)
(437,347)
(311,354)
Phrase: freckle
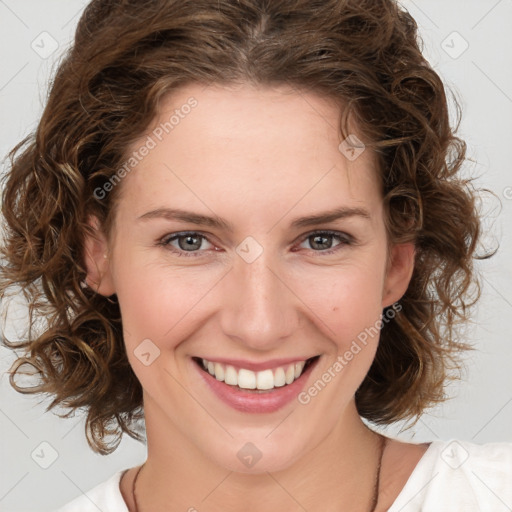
(335,308)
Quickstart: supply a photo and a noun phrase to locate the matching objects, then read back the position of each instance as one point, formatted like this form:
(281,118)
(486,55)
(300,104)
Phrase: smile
(244,378)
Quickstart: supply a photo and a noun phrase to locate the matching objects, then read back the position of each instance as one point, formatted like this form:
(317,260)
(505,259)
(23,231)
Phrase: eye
(322,241)
(189,244)
(184,244)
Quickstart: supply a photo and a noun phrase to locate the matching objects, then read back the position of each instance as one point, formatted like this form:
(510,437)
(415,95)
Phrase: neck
(339,470)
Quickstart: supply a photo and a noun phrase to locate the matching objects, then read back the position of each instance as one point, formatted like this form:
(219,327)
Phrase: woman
(243,222)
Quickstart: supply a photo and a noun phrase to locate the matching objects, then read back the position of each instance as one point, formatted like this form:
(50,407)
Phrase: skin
(258,158)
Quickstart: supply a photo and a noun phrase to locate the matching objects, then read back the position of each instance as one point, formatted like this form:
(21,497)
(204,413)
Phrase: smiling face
(243,276)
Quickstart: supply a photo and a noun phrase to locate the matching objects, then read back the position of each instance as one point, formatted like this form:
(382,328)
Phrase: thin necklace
(376,489)
(375,498)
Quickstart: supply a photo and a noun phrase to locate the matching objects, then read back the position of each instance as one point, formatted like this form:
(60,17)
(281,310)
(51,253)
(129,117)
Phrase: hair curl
(126,56)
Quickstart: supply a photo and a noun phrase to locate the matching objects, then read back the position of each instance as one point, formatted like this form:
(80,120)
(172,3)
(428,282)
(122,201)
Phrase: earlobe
(399,273)
(96,259)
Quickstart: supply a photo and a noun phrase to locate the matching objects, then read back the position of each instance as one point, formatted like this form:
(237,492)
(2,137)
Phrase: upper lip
(255,366)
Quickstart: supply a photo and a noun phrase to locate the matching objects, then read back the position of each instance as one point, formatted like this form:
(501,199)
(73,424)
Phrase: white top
(451,476)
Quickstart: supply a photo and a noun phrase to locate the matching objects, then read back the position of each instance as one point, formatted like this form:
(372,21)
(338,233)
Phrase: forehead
(248,144)
(246,116)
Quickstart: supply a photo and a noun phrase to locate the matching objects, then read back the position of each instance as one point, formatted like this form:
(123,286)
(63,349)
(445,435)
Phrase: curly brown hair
(128,54)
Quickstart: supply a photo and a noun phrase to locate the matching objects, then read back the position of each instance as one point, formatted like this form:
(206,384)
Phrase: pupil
(320,237)
(189,244)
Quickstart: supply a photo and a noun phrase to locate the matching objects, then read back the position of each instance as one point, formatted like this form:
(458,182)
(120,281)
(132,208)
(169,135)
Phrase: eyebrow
(219,223)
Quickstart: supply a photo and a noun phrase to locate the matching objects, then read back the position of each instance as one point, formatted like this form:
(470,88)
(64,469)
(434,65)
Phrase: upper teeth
(247,379)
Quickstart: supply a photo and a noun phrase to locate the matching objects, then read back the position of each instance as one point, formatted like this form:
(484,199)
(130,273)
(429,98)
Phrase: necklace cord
(376,492)
(133,489)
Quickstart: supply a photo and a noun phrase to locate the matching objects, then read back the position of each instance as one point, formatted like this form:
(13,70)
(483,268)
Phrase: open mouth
(242,379)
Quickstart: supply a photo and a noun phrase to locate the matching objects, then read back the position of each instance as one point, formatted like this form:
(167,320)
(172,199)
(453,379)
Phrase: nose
(259,308)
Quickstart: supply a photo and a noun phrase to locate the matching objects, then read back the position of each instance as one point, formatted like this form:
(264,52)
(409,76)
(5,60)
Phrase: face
(244,277)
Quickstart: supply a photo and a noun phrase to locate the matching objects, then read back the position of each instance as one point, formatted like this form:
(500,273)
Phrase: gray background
(481,408)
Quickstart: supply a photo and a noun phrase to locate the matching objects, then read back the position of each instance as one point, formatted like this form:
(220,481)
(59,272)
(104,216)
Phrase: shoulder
(459,475)
(106,497)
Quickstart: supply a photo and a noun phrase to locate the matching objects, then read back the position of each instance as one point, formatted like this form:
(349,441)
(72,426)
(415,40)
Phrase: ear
(399,272)
(96,258)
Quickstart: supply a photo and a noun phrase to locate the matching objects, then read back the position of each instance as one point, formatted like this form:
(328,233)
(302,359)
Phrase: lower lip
(269,401)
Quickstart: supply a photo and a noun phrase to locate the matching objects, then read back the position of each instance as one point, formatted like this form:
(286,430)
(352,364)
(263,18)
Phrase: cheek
(346,302)
(157,302)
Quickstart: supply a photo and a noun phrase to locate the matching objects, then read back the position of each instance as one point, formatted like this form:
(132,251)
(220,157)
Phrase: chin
(257,454)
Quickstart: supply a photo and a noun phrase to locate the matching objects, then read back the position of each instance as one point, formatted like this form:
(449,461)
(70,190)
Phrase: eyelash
(344,239)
